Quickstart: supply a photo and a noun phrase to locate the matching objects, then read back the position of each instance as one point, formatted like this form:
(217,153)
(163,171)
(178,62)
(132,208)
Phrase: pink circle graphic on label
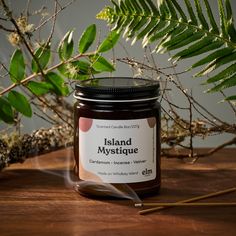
(85,124)
(151,122)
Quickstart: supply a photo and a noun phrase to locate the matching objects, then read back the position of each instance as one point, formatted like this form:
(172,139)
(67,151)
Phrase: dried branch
(53,23)
(168,154)
(6,29)
(16,148)
(178,129)
(52,16)
(3,19)
(59,114)
(137,64)
(51,119)
(27,13)
(44,118)
(229,102)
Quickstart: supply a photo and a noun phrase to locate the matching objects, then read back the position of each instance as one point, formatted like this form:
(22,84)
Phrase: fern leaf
(231,98)
(123,7)
(153,8)
(191,12)
(164,11)
(141,22)
(223,74)
(121,22)
(211,18)
(160,33)
(116,7)
(130,6)
(180,37)
(231,31)
(229,13)
(131,23)
(202,46)
(217,63)
(172,9)
(230,21)
(146,30)
(223,23)
(136,6)
(227,83)
(189,29)
(214,45)
(173,34)
(211,57)
(146,9)
(195,47)
(186,41)
(179,9)
(200,15)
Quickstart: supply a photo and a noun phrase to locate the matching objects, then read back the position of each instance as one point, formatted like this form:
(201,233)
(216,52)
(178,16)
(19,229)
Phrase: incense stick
(185,201)
(172,204)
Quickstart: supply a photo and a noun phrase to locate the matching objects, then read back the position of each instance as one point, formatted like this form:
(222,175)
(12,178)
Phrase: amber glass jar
(117,132)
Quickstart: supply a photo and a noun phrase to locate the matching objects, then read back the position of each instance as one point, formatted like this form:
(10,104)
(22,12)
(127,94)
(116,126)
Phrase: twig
(63,103)
(190,127)
(5,68)
(40,108)
(27,8)
(6,29)
(179,86)
(56,112)
(175,72)
(208,112)
(176,106)
(44,118)
(52,16)
(53,24)
(135,63)
(194,101)
(3,19)
(229,102)
(197,155)
(167,113)
(49,117)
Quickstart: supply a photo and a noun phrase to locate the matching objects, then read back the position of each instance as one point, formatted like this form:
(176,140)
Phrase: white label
(117,151)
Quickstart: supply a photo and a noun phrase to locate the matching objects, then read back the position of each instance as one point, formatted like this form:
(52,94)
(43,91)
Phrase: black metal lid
(117,88)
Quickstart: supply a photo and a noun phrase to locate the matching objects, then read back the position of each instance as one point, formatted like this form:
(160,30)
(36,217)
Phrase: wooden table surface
(34,200)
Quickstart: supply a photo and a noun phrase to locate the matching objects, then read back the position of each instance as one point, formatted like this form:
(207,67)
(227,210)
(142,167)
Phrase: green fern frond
(192,30)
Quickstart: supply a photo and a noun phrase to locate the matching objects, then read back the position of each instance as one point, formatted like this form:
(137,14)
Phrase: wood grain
(35,200)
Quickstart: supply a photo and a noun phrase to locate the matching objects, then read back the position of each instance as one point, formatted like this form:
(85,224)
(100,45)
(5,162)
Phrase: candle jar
(117,132)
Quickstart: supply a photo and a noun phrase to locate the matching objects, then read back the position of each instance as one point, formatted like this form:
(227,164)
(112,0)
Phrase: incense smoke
(87,188)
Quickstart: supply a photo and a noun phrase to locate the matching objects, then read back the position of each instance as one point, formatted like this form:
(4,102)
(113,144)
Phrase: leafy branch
(47,79)
(193,33)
